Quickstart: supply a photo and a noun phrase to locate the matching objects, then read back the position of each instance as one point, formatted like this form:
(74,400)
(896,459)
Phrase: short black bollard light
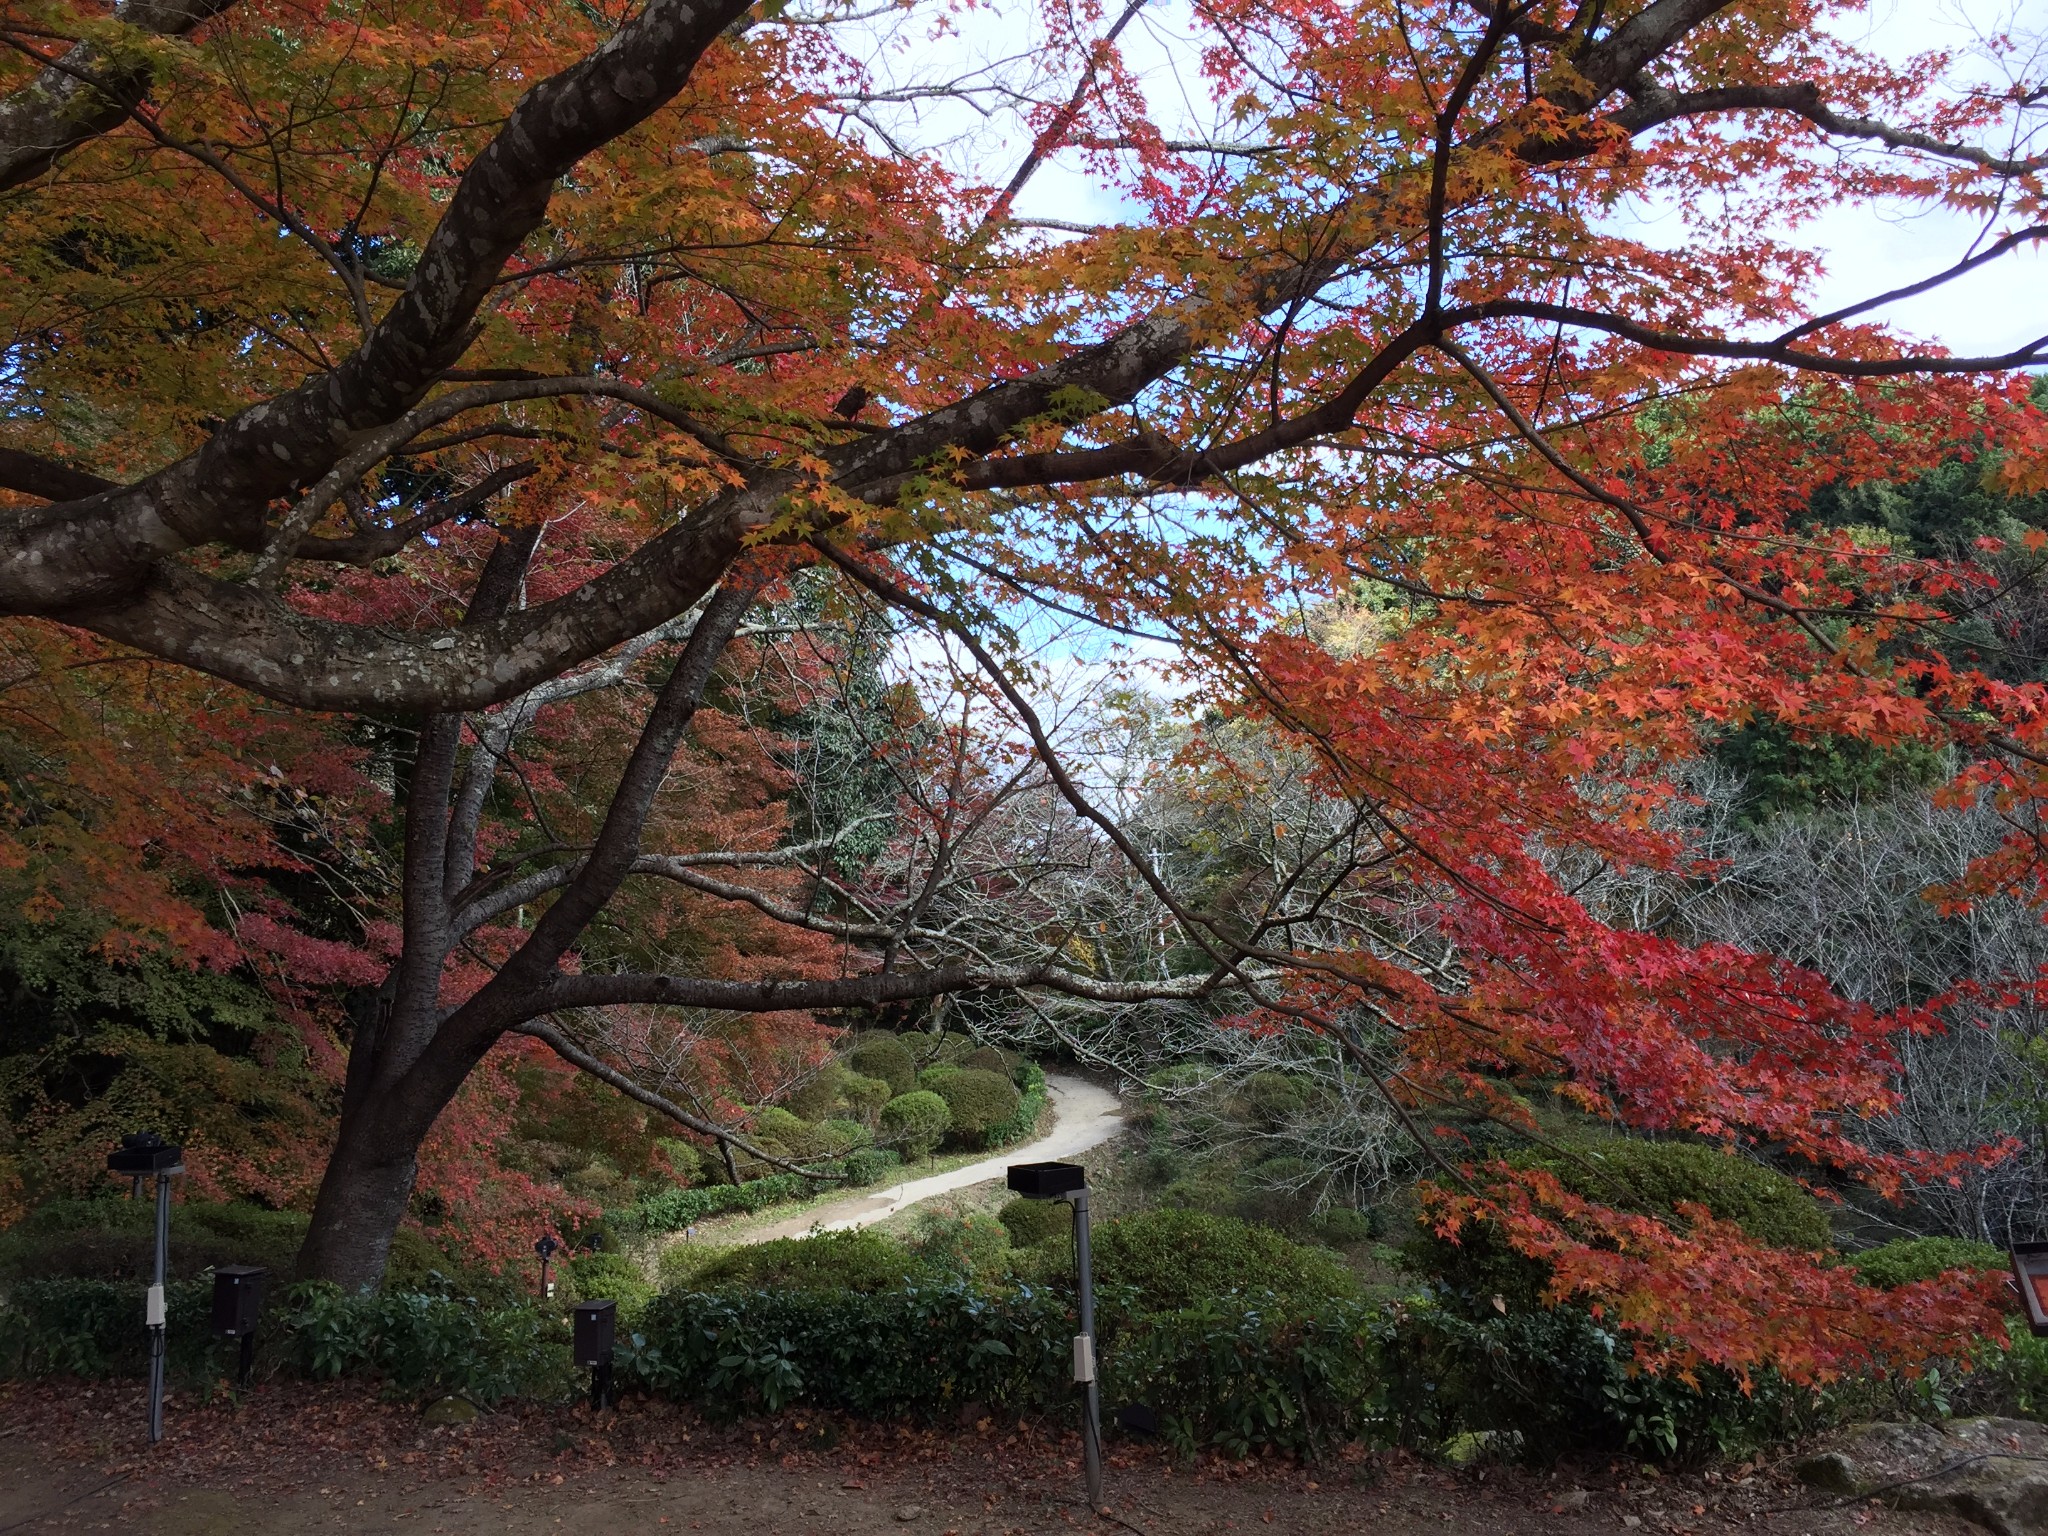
(237,1306)
(596,1327)
(1069,1182)
(546,1248)
(2030,1274)
(147,1155)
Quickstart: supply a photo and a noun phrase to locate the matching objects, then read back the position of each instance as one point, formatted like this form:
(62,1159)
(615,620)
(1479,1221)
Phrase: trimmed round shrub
(979,1102)
(885,1057)
(778,1124)
(870,1166)
(1772,1209)
(686,1162)
(915,1121)
(1180,1258)
(608,1277)
(841,1138)
(864,1096)
(986,1058)
(816,1099)
(1273,1098)
(862,1261)
(1030,1222)
(1922,1258)
(929,1078)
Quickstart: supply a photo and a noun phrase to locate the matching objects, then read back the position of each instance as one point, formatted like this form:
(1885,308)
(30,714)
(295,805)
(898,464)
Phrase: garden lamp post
(546,1249)
(1069,1182)
(2030,1274)
(145,1155)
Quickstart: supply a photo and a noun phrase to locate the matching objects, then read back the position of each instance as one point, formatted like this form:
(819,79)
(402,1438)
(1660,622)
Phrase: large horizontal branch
(553,1038)
(87,554)
(256,639)
(33,475)
(1656,105)
(102,562)
(870,991)
(87,91)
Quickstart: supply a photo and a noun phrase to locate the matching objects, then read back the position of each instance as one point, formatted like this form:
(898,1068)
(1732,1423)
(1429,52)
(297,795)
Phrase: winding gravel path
(1085,1116)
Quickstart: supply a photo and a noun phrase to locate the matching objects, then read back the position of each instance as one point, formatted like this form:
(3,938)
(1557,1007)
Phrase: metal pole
(248,1359)
(153,1308)
(1084,1355)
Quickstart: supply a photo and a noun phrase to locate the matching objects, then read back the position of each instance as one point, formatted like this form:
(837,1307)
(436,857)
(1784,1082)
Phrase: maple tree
(326,319)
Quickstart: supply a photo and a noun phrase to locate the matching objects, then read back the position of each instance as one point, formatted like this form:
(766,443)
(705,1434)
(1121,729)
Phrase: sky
(1867,251)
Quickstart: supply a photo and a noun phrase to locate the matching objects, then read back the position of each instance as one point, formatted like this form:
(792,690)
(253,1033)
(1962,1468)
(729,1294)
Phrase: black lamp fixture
(237,1306)
(596,1326)
(140,1156)
(1069,1182)
(546,1248)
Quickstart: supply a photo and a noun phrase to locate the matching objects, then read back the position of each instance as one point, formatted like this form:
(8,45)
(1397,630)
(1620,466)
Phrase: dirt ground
(294,1458)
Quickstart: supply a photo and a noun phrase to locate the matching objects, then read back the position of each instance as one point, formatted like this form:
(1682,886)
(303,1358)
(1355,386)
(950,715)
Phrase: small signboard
(2030,1274)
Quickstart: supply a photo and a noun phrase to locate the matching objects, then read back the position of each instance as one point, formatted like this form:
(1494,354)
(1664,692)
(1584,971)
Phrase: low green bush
(430,1345)
(919,1352)
(929,1078)
(608,1276)
(1030,1222)
(414,1341)
(1170,1259)
(115,1239)
(870,1165)
(1343,1227)
(1922,1258)
(1240,1380)
(978,1102)
(885,1057)
(671,1210)
(1559,1382)
(974,1246)
(78,1326)
(914,1122)
(1247,1379)
(859,1261)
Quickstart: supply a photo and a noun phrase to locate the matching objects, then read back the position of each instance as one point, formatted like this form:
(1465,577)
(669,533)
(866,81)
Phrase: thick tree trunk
(362,1199)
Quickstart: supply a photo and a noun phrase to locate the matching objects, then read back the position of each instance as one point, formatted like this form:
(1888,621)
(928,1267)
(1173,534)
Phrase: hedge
(671,1210)
(417,1342)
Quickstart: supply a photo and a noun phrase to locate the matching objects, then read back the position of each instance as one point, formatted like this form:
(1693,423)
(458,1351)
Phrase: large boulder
(1992,1472)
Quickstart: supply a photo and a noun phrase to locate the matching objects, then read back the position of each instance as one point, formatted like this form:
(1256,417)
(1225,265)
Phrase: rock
(1571,1499)
(1992,1472)
(909,1512)
(1830,1470)
(1631,1522)
(448,1411)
